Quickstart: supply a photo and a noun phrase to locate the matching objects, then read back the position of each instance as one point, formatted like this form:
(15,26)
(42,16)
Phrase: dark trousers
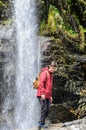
(45,105)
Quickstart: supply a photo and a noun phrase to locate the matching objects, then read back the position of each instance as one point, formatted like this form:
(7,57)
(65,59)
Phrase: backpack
(36,81)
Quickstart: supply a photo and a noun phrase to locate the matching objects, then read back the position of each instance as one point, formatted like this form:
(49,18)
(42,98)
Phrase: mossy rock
(82,39)
(4,10)
(54,19)
(2,4)
(7,22)
(60,113)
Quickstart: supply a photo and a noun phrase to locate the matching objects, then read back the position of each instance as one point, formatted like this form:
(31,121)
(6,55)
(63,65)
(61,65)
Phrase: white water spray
(26,111)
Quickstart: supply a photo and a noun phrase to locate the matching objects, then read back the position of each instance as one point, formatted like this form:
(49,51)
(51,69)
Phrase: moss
(4,10)
(82,38)
(63,74)
(56,22)
(7,22)
(1,3)
(68,33)
(82,1)
(42,29)
(54,19)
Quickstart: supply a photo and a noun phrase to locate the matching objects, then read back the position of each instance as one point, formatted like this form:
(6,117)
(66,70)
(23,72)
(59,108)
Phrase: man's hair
(53,63)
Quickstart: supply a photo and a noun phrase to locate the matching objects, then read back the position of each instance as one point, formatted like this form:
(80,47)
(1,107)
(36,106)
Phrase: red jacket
(45,84)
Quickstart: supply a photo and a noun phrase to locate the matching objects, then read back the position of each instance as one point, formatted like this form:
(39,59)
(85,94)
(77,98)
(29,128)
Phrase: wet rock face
(69,88)
(7,61)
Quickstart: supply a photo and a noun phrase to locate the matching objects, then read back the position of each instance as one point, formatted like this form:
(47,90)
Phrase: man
(44,92)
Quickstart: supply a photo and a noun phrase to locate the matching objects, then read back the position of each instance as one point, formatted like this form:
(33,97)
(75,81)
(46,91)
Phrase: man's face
(52,69)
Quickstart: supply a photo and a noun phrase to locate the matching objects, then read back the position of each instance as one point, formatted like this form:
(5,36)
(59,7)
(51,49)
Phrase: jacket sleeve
(43,77)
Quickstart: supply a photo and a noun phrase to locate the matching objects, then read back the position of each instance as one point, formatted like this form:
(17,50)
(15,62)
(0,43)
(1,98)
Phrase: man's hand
(51,99)
(43,97)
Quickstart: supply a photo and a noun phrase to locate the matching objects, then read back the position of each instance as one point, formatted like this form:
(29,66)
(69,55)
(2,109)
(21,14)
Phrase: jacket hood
(46,68)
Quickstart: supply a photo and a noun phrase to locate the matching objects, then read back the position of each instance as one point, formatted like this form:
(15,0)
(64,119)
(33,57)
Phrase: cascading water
(20,107)
(26,111)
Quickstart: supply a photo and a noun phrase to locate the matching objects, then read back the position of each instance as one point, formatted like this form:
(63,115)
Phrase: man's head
(53,67)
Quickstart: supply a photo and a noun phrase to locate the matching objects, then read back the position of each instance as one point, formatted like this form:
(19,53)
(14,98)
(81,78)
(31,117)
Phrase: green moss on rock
(54,19)
(7,22)
(4,10)
(82,39)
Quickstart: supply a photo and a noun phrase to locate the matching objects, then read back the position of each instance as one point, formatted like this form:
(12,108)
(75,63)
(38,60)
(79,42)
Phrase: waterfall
(26,108)
(20,109)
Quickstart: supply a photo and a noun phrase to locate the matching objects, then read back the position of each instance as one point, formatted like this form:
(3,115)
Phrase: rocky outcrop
(5,10)
(69,91)
(68,48)
(74,125)
(62,18)
(78,124)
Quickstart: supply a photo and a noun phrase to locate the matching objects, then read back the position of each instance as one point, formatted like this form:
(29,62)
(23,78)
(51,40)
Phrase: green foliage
(42,28)
(1,3)
(54,19)
(82,1)
(7,22)
(4,5)
(53,22)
